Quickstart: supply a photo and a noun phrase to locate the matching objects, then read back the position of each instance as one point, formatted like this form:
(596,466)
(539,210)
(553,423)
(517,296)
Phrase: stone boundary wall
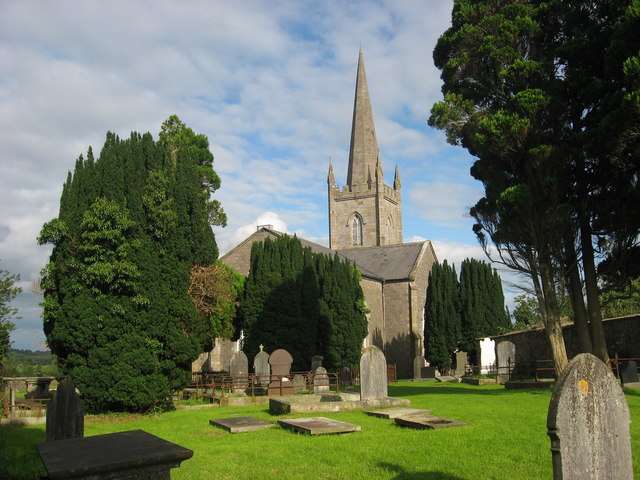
(524,347)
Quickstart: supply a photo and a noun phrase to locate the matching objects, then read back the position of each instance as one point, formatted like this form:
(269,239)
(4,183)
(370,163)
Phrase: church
(365,226)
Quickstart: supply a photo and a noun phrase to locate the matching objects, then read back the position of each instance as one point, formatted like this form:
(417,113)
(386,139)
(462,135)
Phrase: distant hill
(29,357)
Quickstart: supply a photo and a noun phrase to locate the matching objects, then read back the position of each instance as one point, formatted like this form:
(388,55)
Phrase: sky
(270,83)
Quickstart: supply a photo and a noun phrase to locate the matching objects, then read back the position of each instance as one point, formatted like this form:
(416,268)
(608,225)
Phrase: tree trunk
(580,319)
(553,325)
(591,287)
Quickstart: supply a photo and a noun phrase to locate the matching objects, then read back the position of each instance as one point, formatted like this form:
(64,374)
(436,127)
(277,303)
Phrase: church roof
(387,263)
(391,262)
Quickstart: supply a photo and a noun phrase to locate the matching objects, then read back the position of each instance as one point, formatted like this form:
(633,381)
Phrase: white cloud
(446,203)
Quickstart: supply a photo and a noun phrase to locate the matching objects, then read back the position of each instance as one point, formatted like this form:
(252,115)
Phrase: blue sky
(270,83)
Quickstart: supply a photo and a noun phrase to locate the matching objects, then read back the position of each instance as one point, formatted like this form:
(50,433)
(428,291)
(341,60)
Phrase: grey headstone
(628,371)
(316,362)
(373,374)
(261,368)
(299,383)
(65,413)
(588,423)
(345,377)
(418,363)
(320,381)
(461,362)
(239,371)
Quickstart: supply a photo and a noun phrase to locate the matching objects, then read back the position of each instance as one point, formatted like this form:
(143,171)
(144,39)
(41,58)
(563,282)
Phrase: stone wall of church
(240,258)
(372,291)
(342,209)
(399,344)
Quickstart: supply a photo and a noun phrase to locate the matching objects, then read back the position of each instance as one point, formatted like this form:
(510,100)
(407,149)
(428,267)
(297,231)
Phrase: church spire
(363,153)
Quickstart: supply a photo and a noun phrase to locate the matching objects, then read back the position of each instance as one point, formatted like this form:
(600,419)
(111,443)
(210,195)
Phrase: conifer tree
(132,223)
(306,303)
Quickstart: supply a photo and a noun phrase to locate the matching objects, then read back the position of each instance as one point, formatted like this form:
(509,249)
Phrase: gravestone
(429,372)
(588,423)
(65,413)
(629,372)
(299,383)
(373,374)
(316,362)
(425,421)
(418,364)
(461,362)
(506,353)
(345,377)
(261,367)
(318,426)
(487,355)
(241,424)
(280,361)
(239,371)
(320,381)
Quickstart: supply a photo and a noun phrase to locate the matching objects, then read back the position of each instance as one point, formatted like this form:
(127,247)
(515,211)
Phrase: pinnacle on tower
(363,153)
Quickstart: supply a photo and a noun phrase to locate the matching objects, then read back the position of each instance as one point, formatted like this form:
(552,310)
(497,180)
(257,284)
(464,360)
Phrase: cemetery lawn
(506,438)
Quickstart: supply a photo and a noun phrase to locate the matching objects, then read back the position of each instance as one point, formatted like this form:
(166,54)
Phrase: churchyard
(505,437)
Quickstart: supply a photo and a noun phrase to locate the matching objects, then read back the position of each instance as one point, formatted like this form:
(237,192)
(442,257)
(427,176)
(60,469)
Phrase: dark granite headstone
(65,413)
(345,377)
(261,367)
(239,371)
(125,455)
(280,361)
(588,423)
(428,372)
(316,362)
(373,374)
(628,372)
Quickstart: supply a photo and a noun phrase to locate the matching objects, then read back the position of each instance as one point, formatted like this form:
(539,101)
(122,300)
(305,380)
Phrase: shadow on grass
(442,388)
(402,474)
(19,458)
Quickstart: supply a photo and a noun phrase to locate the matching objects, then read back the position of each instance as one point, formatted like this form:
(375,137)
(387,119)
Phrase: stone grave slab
(240,424)
(396,412)
(588,423)
(448,379)
(132,454)
(427,422)
(318,426)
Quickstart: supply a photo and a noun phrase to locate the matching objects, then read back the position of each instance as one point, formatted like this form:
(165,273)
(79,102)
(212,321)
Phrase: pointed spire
(363,153)
(396,180)
(331,179)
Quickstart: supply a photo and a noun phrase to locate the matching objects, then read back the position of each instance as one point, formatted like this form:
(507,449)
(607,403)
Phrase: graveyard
(505,437)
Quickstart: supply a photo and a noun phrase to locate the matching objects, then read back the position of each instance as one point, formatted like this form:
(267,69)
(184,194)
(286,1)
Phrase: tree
(482,311)
(524,83)
(132,224)
(306,303)
(526,313)
(8,291)
(442,329)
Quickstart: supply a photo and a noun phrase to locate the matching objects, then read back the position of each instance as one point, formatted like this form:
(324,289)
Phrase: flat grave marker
(318,426)
(395,412)
(240,424)
(426,422)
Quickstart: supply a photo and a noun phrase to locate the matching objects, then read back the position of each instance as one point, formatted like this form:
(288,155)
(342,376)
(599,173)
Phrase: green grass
(505,438)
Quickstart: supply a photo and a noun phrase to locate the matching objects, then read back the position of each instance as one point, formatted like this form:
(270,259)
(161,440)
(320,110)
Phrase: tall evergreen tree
(482,312)
(442,327)
(132,223)
(306,303)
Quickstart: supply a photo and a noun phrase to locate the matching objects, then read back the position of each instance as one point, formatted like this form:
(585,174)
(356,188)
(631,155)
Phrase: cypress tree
(117,312)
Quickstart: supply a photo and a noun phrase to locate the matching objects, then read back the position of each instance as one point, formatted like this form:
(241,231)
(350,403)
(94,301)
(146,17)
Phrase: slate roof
(386,263)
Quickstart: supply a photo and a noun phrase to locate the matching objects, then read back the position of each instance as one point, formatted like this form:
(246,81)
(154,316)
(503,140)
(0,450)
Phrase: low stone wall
(525,347)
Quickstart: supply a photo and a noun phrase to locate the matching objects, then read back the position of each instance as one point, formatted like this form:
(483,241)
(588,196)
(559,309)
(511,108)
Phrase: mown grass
(505,438)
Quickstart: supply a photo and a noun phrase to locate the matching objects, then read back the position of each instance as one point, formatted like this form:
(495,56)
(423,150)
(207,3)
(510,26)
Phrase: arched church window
(389,230)
(357,230)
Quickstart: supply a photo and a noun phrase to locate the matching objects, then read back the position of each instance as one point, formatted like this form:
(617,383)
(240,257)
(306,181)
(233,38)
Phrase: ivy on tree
(132,223)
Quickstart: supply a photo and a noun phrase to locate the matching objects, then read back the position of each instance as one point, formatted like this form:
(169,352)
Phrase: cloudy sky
(270,83)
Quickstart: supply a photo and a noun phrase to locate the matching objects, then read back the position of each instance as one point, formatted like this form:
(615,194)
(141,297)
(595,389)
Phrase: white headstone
(487,355)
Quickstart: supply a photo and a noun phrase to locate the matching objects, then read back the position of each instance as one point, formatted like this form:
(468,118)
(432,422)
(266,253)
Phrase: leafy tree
(8,291)
(442,328)
(526,313)
(542,93)
(306,303)
(132,223)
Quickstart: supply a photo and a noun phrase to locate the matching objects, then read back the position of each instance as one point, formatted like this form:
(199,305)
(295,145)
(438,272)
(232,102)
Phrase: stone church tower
(365,212)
